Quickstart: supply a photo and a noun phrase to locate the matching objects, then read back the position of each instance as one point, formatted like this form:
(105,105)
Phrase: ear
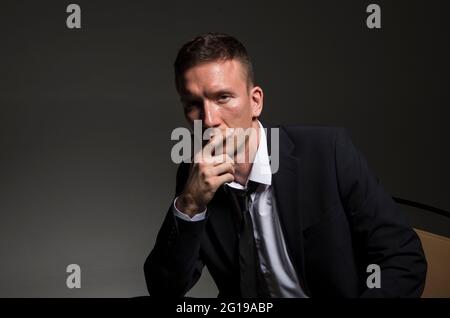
(257,97)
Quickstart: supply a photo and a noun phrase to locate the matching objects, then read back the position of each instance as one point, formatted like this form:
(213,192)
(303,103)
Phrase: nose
(211,116)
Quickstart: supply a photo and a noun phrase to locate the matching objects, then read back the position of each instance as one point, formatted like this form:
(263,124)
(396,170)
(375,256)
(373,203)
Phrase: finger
(223,168)
(216,142)
(227,177)
(217,160)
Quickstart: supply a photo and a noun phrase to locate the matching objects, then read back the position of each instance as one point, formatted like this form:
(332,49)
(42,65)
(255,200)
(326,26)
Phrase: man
(312,228)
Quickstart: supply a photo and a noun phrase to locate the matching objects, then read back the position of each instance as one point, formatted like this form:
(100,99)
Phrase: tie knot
(243,195)
(251,187)
(246,192)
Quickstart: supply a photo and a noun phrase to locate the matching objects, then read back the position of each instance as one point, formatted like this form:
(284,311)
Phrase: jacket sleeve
(175,265)
(380,231)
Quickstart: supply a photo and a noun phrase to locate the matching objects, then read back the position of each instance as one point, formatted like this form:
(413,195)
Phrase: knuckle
(204,173)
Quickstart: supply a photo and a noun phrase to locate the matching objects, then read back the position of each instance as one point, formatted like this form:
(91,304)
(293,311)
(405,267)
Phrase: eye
(224,98)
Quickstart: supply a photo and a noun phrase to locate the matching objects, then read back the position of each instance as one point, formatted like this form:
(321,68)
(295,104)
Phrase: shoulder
(314,137)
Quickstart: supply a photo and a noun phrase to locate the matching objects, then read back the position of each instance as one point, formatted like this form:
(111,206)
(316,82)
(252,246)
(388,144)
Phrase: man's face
(218,93)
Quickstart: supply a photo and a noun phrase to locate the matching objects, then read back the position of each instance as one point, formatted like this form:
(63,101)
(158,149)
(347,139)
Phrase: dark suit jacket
(335,216)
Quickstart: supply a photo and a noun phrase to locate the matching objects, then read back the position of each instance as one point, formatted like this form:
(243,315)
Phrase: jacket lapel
(286,184)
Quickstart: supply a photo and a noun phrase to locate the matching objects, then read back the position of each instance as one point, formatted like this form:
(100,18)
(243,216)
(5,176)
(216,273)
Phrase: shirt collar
(260,172)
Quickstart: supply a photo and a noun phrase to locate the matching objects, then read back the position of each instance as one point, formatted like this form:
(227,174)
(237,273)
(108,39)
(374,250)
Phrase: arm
(175,265)
(380,232)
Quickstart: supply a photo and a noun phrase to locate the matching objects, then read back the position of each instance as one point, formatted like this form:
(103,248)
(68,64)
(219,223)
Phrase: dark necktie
(252,282)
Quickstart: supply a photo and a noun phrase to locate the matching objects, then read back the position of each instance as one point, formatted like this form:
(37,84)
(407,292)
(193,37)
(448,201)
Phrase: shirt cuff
(197,217)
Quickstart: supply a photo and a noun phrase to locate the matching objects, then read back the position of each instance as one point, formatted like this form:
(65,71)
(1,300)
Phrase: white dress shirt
(275,263)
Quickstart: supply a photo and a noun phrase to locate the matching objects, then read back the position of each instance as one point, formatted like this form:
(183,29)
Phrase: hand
(207,173)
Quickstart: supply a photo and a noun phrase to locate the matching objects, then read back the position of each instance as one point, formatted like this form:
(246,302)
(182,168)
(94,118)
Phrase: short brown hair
(210,47)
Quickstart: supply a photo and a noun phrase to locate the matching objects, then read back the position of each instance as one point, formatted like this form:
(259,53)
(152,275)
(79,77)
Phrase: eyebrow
(188,97)
(223,92)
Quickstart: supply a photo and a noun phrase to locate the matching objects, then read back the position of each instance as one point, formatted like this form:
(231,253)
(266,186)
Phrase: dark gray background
(86,117)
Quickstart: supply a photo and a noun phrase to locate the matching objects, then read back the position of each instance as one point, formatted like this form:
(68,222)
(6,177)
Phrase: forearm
(174,264)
